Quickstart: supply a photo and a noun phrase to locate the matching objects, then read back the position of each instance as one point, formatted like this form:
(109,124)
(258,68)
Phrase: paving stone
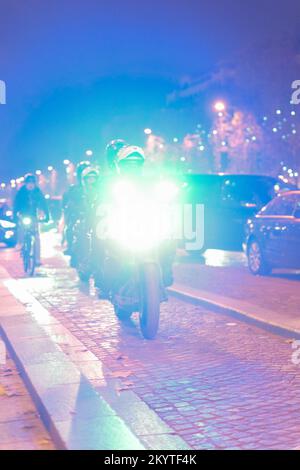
(20,425)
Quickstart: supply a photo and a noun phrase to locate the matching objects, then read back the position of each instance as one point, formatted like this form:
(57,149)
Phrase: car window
(297,205)
(202,190)
(281,205)
(245,192)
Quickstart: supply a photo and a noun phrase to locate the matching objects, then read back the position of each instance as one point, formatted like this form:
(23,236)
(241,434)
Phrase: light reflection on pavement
(216,258)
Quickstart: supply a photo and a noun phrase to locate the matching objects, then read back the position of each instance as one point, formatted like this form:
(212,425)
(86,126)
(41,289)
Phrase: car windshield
(283,205)
(249,191)
(202,188)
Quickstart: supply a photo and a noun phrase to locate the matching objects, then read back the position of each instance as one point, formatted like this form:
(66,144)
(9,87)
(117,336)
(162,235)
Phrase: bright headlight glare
(7,224)
(26,220)
(124,191)
(139,226)
(166,191)
(9,234)
(140,217)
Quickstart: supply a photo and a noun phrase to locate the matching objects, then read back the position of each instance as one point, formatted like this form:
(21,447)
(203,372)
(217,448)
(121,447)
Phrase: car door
(275,229)
(292,238)
(238,205)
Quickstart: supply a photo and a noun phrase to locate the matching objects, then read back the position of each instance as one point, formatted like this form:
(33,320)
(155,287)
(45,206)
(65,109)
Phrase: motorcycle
(81,255)
(135,231)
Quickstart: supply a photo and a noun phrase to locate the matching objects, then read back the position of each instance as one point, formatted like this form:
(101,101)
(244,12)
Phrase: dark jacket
(30,202)
(73,203)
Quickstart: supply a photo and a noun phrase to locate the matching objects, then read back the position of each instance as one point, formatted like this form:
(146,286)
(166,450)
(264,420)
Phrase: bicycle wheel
(29,261)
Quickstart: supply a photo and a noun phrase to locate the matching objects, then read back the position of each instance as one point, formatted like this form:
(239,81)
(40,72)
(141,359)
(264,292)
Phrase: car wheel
(256,260)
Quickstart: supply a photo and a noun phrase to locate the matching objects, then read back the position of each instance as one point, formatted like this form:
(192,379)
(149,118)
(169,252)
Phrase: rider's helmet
(90,173)
(112,150)
(130,158)
(79,169)
(30,178)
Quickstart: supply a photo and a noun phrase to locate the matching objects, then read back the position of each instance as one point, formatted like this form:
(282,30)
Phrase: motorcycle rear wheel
(150,300)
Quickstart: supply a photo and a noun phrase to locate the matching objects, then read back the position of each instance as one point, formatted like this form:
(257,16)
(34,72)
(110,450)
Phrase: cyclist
(30,202)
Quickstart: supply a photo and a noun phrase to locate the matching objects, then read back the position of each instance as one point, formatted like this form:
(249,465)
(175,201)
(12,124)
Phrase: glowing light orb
(219,106)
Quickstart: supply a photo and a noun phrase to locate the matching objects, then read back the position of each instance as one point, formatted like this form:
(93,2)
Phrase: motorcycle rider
(71,203)
(89,180)
(125,159)
(85,221)
(130,160)
(29,201)
(112,150)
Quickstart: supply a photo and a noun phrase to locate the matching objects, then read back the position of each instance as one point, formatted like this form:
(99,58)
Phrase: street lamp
(89,153)
(148,131)
(219,106)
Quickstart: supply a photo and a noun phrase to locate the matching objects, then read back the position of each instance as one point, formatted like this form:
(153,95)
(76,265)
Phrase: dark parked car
(273,235)
(229,200)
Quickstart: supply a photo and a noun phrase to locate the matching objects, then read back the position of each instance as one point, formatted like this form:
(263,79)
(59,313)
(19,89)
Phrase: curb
(242,311)
(78,400)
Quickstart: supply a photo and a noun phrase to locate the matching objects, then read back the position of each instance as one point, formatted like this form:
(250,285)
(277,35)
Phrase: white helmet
(131,153)
(89,171)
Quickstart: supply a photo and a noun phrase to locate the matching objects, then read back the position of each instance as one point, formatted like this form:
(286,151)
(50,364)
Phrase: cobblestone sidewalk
(20,426)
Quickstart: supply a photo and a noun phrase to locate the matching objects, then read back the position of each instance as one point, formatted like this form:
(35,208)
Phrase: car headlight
(9,234)
(7,224)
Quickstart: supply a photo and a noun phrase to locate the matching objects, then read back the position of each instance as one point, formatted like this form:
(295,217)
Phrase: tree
(236,139)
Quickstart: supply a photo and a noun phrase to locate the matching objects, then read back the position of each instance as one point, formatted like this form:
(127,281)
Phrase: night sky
(81,72)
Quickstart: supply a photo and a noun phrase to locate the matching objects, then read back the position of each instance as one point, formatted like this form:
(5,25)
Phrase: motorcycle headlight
(166,191)
(139,218)
(125,191)
(26,221)
(7,224)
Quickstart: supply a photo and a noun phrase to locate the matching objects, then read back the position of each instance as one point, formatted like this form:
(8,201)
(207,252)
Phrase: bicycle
(29,247)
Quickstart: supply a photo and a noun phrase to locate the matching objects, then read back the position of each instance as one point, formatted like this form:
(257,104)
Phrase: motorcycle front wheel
(150,300)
